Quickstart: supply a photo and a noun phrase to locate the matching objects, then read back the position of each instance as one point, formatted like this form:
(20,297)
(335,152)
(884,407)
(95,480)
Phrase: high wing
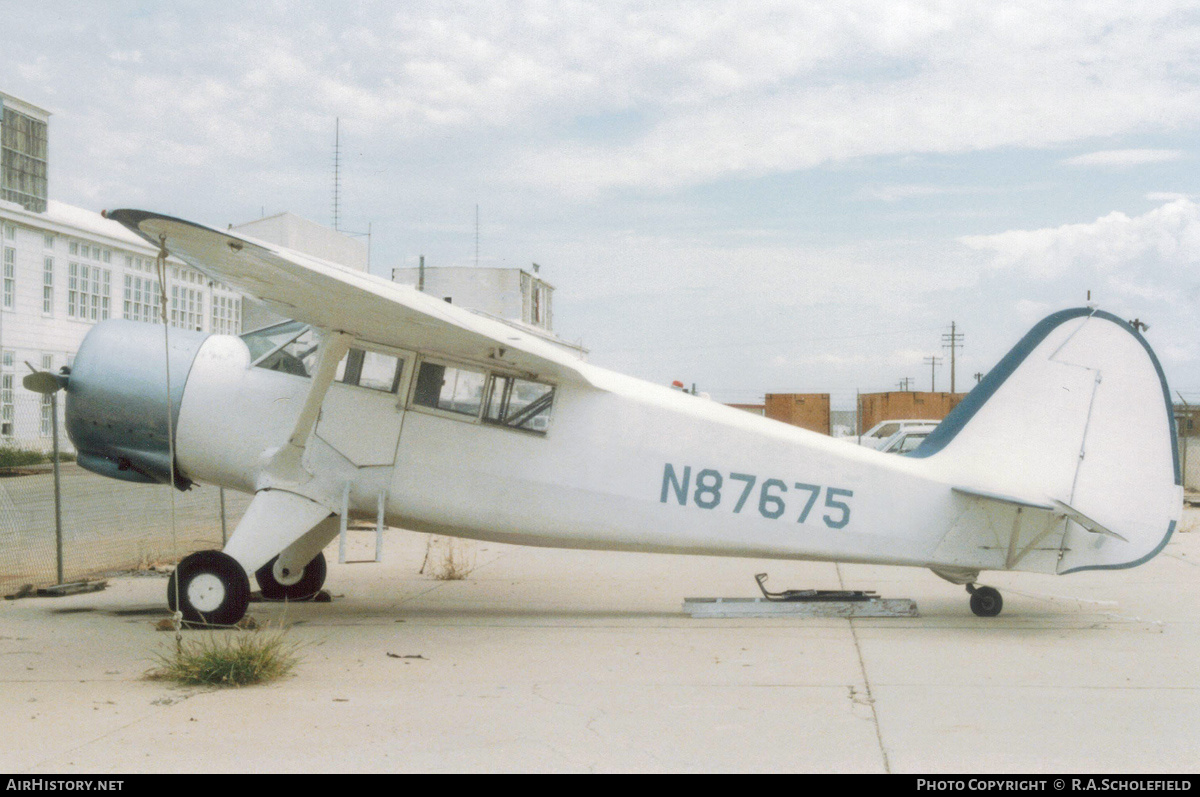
(337,298)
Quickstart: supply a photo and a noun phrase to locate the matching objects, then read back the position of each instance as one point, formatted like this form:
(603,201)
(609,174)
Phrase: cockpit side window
(289,347)
(450,388)
(484,396)
(371,369)
(519,403)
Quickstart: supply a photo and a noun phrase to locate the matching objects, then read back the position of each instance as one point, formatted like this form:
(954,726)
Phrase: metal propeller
(44,382)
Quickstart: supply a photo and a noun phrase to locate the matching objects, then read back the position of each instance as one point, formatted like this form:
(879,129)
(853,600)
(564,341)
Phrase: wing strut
(286,468)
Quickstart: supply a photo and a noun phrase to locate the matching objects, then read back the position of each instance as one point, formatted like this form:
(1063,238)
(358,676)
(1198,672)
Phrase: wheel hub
(286,575)
(206,592)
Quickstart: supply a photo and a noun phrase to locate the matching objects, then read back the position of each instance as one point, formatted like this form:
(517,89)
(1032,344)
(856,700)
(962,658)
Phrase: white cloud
(126,56)
(1167,196)
(717,91)
(1030,312)
(1161,240)
(900,193)
(1124,158)
(902,81)
(1142,266)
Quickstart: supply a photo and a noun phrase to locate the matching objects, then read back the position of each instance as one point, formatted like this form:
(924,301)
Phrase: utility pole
(933,364)
(903,384)
(952,340)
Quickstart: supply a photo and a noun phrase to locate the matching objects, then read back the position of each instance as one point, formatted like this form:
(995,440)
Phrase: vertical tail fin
(1077,416)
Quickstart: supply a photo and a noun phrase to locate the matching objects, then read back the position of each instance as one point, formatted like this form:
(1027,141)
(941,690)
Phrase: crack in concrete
(870,698)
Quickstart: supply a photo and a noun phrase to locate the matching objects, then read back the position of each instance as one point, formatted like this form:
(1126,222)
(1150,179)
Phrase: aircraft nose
(120,402)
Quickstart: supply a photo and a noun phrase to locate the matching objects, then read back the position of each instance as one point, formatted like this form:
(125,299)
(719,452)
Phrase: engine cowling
(118,414)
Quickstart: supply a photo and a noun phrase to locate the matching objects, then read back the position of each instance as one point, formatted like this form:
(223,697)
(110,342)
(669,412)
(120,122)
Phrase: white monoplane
(379,399)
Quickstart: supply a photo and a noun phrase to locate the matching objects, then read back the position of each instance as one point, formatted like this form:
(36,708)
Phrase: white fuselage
(624,465)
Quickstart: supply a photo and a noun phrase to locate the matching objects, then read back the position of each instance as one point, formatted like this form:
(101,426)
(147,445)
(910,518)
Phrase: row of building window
(89,251)
(10,277)
(89,293)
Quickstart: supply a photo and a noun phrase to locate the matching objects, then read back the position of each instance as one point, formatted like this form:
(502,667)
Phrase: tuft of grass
(448,558)
(228,659)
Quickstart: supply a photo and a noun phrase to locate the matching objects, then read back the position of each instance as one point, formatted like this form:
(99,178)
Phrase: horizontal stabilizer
(1004,499)
(1091,525)
(1059,508)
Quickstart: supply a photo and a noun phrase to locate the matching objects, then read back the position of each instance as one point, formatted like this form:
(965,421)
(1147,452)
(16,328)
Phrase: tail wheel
(986,601)
(209,588)
(309,584)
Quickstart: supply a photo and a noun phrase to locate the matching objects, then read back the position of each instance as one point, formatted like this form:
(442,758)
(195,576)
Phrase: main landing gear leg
(985,601)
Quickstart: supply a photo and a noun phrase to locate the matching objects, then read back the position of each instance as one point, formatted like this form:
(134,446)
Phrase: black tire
(213,589)
(986,602)
(305,589)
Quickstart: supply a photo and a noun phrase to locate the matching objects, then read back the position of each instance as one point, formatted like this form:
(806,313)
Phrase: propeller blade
(44,382)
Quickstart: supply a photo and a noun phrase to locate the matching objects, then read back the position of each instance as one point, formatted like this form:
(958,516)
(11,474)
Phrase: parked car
(904,441)
(881,433)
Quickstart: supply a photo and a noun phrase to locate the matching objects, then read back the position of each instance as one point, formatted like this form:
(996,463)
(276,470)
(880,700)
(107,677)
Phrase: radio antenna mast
(337,182)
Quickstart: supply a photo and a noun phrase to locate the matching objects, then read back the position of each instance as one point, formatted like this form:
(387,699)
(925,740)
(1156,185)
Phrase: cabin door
(363,411)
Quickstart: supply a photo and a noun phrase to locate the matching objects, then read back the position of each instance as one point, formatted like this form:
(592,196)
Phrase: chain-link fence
(107,525)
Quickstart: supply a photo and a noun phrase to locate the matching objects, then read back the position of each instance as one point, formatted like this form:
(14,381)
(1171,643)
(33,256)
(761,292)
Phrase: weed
(228,659)
(448,558)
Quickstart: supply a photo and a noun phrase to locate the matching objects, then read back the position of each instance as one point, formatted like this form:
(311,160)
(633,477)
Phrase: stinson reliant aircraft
(378,399)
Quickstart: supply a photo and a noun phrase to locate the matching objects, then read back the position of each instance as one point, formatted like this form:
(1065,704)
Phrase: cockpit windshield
(290,347)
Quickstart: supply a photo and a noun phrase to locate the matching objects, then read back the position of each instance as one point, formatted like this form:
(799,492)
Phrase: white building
(66,268)
(298,233)
(514,295)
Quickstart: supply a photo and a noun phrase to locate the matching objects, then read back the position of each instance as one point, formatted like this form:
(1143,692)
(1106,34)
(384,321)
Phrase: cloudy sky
(754,197)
